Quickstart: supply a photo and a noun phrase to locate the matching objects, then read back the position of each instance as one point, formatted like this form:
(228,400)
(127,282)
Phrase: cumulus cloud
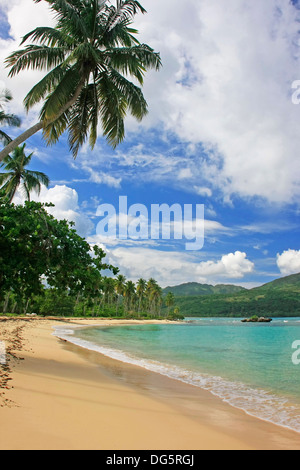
(289,262)
(177,267)
(22,16)
(227,83)
(225,90)
(65,202)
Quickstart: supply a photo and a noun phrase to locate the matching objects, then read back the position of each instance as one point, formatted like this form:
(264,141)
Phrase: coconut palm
(170,299)
(90,56)
(16,175)
(154,295)
(119,289)
(129,295)
(108,290)
(140,290)
(6,119)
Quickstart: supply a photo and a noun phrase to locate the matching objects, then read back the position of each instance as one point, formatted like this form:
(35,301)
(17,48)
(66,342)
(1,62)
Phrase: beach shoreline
(55,395)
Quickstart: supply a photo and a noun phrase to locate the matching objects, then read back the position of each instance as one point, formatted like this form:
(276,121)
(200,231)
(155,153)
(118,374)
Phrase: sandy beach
(54,395)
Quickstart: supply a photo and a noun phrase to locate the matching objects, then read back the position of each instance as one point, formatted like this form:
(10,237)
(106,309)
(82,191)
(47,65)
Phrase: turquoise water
(247,365)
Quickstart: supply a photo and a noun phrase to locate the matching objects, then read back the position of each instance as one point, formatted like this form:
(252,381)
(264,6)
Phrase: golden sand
(54,395)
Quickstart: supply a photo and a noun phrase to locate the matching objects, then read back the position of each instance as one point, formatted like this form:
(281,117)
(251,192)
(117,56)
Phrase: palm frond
(36,176)
(64,89)
(133,95)
(112,109)
(123,12)
(53,131)
(45,86)
(89,57)
(36,58)
(47,36)
(9,119)
(5,96)
(69,17)
(84,117)
(4,138)
(134,61)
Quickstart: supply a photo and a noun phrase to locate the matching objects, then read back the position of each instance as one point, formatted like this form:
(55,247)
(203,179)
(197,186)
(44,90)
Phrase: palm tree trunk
(41,124)
(6,301)
(20,139)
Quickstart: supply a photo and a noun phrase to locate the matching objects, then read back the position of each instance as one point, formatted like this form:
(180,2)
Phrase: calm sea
(249,366)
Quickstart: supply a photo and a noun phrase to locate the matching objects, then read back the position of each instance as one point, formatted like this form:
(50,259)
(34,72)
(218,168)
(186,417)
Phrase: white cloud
(23,16)
(101,177)
(65,202)
(226,83)
(170,268)
(289,262)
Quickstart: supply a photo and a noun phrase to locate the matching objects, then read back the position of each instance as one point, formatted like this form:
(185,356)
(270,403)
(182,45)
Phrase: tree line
(94,70)
(47,268)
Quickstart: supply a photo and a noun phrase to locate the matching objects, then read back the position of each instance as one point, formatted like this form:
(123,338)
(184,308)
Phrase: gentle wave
(258,403)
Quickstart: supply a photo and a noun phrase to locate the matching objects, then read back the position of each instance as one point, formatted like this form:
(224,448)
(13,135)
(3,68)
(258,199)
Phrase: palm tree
(153,292)
(170,298)
(108,290)
(119,288)
(88,56)
(129,294)
(6,119)
(140,290)
(16,174)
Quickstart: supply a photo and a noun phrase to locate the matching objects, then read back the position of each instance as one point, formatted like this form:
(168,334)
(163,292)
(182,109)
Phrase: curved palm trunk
(40,125)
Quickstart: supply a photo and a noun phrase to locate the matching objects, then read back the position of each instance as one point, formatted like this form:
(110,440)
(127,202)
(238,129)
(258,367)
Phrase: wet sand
(55,395)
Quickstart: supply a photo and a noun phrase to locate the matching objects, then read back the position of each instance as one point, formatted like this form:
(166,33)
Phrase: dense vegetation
(194,288)
(48,269)
(279,298)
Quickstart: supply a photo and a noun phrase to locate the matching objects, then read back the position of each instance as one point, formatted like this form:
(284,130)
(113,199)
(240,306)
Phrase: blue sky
(222,131)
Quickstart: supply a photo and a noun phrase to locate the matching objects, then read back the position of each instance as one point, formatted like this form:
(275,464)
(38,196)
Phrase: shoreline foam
(65,397)
(257,403)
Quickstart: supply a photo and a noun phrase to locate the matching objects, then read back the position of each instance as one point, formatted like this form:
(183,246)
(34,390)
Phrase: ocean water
(250,366)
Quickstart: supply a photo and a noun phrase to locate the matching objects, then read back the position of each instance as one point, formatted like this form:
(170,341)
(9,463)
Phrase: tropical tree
(7,119)
(17,175)
(140,290)
(154,296)
(37,249)
(170,298)
(90,55)
(119,289)
(129,295)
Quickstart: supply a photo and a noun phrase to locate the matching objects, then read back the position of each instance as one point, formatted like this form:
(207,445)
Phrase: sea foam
(255,402)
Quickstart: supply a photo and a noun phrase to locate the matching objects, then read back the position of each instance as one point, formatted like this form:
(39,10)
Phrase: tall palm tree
(7,119)
(154,296)
(119,288)
(169,300)
(129,294)
(140,290)
(17,175)
(89,56)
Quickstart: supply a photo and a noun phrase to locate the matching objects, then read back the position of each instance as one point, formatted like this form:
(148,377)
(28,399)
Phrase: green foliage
(277,298)
(38,250)
(195,288)
(17,175)
(89,57)
(5,118)
(53,302)
(45,266)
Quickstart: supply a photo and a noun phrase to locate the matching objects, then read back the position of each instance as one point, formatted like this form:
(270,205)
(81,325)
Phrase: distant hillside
(194,288)
(274,299)
(289,282)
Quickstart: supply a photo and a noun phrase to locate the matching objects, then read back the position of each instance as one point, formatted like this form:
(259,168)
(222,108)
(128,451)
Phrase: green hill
(280,297)
(194,288)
